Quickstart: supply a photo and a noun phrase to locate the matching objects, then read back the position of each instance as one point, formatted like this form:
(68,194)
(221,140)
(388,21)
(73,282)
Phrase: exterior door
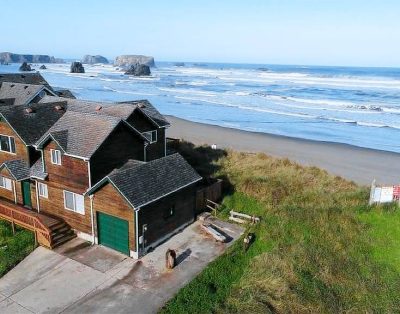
(26,193)
(113,232)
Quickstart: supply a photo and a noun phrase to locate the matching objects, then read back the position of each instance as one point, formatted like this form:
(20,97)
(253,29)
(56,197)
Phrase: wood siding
(153,214)
(72,175)
(109,201)
(117,149)
(21,151)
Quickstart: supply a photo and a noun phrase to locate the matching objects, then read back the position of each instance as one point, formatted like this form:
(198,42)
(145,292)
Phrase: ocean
(356,106)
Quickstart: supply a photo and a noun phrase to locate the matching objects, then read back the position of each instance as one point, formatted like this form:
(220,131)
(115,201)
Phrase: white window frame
(43,190)
(9,143)
(76,201)
(55,153)
(5,183)
(152,137)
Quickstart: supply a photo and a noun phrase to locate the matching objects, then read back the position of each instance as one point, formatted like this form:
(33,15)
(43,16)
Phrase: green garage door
(113,232)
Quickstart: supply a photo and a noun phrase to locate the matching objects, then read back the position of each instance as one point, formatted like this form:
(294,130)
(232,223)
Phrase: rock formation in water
(43,67)
(88,59)
(8,57)
(138,70)
(77,67)
(25,67)
(128,60)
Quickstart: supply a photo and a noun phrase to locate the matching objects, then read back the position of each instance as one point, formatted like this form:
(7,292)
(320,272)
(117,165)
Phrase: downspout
(165,142)
(89,175)
(137,231)
(15,192)
(92,219)
(43,166)
(37,197)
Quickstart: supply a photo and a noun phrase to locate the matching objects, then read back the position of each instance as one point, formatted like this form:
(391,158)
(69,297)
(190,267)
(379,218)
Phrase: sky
(309,32)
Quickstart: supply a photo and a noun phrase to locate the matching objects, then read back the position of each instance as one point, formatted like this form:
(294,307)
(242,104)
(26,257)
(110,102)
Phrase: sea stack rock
(179,64)
(77,67)
(25,67)
(88,59)
(43,67)
(128,60)
(138,70)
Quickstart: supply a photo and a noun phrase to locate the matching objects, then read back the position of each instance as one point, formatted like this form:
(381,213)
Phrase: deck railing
(27,219)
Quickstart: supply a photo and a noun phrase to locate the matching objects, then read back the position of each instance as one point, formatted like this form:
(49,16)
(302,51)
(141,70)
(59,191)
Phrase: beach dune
(360,165)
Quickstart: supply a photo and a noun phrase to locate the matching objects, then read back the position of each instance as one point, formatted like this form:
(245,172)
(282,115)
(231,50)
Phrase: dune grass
(320,248)
(13,248)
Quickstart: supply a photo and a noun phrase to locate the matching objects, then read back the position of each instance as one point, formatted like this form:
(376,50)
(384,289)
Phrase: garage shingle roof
(143,183)
(25,78)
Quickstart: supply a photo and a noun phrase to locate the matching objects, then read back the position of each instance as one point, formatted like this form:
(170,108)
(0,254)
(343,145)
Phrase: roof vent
(98,108)
(59,108)
(12,85)
(29,110)
(142,105)
(26,86)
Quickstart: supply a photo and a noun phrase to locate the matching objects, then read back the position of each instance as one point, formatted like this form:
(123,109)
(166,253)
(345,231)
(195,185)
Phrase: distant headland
(9,57)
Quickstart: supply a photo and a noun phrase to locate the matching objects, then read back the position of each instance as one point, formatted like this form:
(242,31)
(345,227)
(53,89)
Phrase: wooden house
(96,170)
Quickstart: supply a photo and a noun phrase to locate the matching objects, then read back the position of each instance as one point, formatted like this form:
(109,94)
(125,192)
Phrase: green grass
(320,248)
(13,248)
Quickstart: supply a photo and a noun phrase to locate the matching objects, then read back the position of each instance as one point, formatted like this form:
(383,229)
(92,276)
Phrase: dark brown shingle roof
(31,126)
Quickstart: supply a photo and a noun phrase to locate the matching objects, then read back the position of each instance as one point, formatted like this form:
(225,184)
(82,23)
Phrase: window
(55,156)
(169,212)
(5,183)
(151,136)
(7,144)
(74,202)
(42,188)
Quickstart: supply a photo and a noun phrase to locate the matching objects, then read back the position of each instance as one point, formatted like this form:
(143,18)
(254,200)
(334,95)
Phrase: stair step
(58,236)
(57,225)
(60,229)
(63,240)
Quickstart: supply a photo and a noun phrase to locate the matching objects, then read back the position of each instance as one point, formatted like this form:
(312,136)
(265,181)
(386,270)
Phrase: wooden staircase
(60,233)
(49,232)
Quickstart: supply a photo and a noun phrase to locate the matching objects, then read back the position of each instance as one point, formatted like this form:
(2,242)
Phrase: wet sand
(361,165)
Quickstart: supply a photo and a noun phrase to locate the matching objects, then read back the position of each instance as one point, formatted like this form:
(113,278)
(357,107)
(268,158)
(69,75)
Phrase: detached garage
(143,203)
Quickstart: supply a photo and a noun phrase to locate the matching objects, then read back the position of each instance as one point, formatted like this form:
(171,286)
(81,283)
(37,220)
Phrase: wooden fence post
(372,192)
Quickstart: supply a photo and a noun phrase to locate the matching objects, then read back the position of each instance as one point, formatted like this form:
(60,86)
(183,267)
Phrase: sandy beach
(354,163)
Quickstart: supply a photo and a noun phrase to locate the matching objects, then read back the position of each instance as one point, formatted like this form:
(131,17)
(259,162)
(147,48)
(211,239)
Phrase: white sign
(387,194)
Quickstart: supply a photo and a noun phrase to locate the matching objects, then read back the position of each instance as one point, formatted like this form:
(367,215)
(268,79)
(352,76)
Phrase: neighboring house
(101,169)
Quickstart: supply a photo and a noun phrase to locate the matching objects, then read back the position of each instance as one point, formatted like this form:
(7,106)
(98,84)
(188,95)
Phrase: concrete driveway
(80,278)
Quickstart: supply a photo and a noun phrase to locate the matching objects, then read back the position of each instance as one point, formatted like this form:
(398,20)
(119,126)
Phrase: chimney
(29,110)
(98,108)
(59,108)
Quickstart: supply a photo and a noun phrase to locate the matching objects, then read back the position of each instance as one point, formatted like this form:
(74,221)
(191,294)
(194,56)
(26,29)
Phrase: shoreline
(358,164)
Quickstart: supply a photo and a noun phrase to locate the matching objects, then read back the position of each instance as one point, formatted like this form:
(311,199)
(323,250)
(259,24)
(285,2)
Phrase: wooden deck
(49,232)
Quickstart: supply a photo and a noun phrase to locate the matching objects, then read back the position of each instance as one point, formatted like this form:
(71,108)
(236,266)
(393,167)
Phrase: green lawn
(319,247)
(13,248)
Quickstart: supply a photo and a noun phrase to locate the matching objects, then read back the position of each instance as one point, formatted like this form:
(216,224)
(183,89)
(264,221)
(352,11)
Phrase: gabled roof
(18,169)
(25,78)
(21,93)
(30,126)
(141,183)
(122,110)
(149,110)
(80,134)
